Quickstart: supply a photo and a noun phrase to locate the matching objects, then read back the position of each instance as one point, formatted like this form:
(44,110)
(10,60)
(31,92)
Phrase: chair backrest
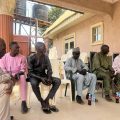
(114,55)
(91,60)
(64,57)
(62,70)
(69,53)
(55,67)
(84,57)
(53,53)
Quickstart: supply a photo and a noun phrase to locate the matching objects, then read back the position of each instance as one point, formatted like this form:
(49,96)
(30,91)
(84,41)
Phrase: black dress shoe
(11,117)
(24,108)
(46,110)
(108,98)
(53,108)
(45,107)
(79,100)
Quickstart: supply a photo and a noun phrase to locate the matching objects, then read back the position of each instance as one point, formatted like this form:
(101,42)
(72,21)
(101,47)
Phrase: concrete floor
(102,110)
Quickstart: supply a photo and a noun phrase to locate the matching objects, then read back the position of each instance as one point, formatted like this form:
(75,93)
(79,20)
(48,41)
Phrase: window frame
(102,34)
(66,38)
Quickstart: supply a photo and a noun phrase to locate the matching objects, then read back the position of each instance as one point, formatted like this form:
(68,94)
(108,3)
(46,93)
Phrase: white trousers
(84,81)
(4,104)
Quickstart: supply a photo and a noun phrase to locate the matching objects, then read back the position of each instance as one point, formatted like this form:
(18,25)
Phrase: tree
(54,13)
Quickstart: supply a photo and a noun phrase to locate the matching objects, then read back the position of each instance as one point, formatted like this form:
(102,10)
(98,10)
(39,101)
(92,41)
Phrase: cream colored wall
(83,37)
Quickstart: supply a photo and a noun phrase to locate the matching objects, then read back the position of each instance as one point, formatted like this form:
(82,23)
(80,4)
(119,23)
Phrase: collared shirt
(40,66)
(116,64)
(13,65)
(101,62)
(74,65)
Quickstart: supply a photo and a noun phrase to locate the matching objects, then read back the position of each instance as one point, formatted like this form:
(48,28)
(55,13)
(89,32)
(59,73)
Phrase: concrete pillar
(48,42)
(6,20)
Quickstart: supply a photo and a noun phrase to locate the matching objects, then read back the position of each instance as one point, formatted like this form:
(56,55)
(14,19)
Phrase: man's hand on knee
(83,72)
(9,88)
(46,81)
(17,76)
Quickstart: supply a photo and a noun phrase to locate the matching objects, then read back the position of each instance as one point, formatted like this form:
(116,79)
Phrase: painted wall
(83,33)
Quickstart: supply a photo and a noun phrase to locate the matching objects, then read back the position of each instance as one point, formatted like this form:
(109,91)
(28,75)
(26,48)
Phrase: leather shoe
(79,100)
(53,108)
(108,98)
(46,110)
(11,117)
(24,108)
(45,107)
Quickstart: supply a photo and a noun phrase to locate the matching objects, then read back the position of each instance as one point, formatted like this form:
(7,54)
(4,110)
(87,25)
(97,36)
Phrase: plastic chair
(44,88)
(64,82)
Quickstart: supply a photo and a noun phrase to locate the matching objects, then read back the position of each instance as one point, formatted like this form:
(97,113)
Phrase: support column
(6,29)
(6,20)
(48,43)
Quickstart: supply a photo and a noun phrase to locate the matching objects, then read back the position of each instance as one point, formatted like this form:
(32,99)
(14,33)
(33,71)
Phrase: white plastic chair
(59,72)
(64,81)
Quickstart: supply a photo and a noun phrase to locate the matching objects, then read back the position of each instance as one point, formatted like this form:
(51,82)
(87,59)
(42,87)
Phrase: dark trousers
(106,81)
(35,86)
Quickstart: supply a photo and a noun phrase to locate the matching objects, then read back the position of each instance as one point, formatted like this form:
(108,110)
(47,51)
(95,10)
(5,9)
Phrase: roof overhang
(67,23)
(96,6)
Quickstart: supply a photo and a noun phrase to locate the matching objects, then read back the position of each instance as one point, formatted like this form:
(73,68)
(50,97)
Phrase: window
(97,33)
(69,43)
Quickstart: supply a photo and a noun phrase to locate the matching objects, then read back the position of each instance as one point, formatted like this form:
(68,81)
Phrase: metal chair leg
(73,89)
(102,91)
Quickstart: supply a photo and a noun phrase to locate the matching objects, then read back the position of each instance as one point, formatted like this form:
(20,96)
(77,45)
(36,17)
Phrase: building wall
(83,33)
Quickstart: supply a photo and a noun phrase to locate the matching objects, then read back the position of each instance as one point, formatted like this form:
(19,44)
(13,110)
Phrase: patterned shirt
(116,64)
(3,78)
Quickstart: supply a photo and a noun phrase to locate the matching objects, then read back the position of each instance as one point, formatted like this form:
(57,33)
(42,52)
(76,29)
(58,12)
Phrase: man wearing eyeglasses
(80,75)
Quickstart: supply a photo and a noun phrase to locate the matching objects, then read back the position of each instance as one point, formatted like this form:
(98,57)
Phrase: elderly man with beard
(82,78)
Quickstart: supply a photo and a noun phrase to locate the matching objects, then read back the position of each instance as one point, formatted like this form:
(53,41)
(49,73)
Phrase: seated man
(6,85)
(39,70)
(15,64)
(102,67)
(116,67)
(80,75)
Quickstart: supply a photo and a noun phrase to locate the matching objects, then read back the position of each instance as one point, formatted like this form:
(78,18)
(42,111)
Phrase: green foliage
(54,13)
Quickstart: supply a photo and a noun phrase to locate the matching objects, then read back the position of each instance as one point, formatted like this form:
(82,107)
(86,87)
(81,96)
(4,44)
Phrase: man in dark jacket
(39,70)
